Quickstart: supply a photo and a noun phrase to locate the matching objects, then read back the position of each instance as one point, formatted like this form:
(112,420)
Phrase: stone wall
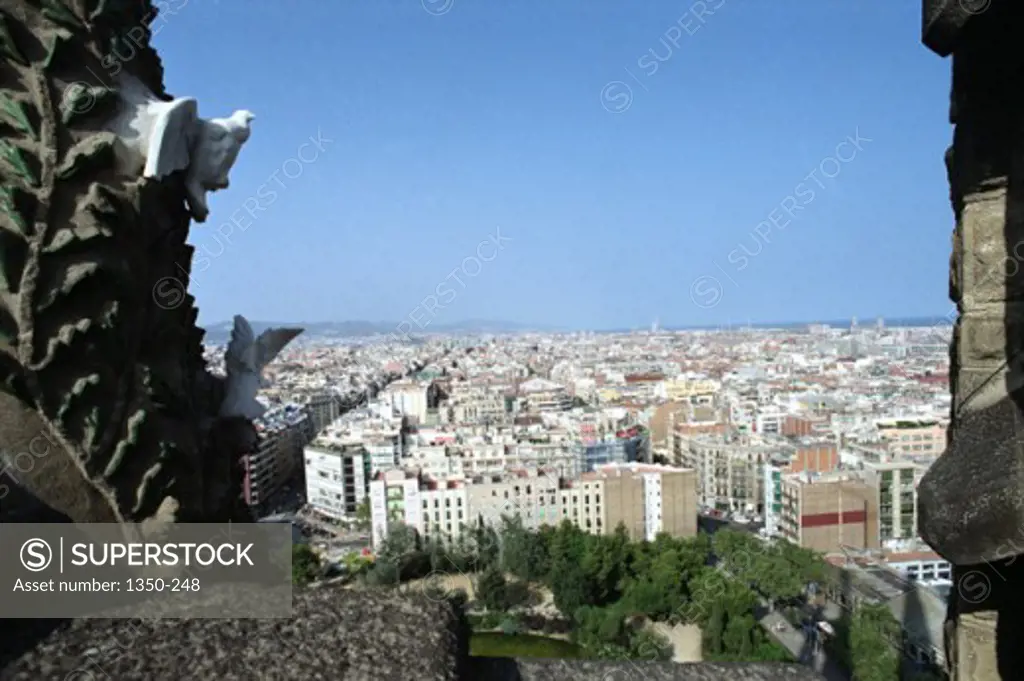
(333,635)
(972,500)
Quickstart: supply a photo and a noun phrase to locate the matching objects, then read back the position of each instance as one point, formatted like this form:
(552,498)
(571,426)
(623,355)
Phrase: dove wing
(239,355)
(171,139)
(271,342)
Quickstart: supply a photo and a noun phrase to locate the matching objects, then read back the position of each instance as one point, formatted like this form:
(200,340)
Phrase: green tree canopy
(305,564)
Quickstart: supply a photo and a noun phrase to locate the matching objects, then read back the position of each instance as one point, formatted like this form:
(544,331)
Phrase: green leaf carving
(81,385)
(93,153)
(92,427)
(95,216)
(65,337)
(72,276)
(15,158)
(14,112)
(58,45)
(81,100)
(16,205)
(7,45)
(58,12)
(128,442)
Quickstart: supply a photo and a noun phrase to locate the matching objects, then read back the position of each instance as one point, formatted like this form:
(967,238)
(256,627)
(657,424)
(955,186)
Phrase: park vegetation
(606,587)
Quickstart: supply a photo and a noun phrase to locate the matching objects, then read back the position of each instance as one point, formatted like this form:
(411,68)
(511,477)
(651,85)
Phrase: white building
(437,509)
(408,399)
(336,477)
(652,505)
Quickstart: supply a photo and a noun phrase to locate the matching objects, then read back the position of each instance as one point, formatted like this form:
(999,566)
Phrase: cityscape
(814,435)
(437,340)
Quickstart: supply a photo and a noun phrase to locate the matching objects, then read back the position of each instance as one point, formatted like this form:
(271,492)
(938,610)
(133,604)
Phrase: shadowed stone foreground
(333,635)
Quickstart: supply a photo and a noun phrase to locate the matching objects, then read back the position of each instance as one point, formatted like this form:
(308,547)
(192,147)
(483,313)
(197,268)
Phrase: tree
(873,630)
(605,562)
(363,521)
(570,589)
(486,546)
(305,564)
(569,583)
(714,629)
(524,554)
(400,541)
(738,637)
(490,589)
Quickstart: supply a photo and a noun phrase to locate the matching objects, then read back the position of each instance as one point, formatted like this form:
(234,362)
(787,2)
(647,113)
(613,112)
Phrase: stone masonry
(972,500)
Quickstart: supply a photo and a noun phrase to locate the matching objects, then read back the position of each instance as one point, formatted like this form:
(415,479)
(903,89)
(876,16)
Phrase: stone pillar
(972,500)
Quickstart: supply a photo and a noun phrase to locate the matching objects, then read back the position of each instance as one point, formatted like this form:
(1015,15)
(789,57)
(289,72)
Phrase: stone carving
(166,137)
(245,359)
(90,356)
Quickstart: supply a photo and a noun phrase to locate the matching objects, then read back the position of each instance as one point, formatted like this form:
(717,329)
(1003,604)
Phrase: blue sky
(441,122)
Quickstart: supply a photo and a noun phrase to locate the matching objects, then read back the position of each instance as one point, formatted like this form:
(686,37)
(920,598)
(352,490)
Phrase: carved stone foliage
(97,331)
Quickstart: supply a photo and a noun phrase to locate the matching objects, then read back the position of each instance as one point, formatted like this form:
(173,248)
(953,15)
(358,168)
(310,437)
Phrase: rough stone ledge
(333,635)
(509,669)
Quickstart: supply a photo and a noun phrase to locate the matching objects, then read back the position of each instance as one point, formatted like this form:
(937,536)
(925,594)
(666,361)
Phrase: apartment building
(774,469)
(699,391)
(336,477)
(923,566)
(475,404)
(896,485)
(913,437)
(667,496)
(829,513)
(383,448)
(437,509)
(646,499)
(408,398)
(730,469)
(769,421)
(324,409)
(813,456)
(541,395)
(532,494)
(277,459)
(394,499)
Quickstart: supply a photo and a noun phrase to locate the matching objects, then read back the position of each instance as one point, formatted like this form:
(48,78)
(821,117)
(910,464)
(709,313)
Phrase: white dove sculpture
(244,361)
(170,136)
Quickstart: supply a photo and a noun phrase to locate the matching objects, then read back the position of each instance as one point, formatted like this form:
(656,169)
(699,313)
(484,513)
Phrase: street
(801,649)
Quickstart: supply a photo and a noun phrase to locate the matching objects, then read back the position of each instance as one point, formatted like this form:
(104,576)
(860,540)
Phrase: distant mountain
(220,333)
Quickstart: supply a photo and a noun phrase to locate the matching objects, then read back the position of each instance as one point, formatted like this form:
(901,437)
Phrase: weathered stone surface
(333,635)
(945,19)
(970,503)
(508,669)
